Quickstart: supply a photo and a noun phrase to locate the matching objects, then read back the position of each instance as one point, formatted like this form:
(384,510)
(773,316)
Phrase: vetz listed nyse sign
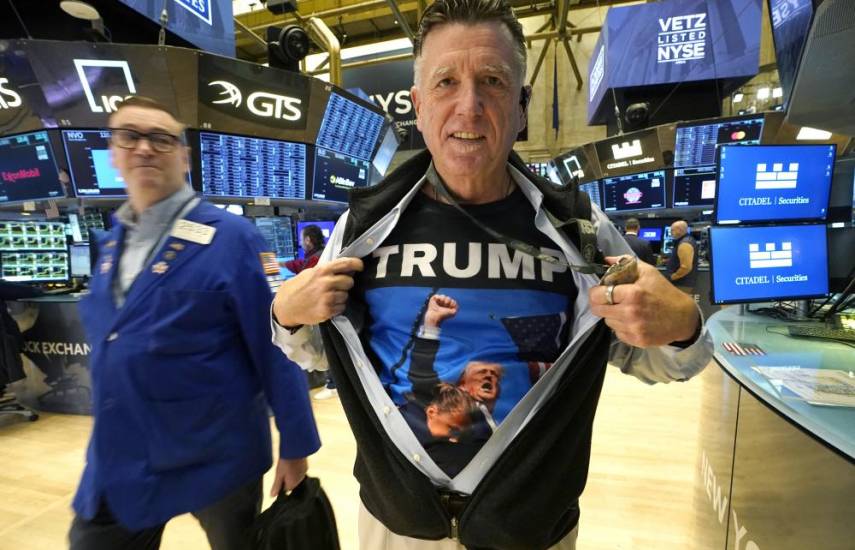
(8,98)
(262,104)
(682,38)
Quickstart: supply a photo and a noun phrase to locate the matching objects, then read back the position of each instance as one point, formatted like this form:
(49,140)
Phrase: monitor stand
(802,310)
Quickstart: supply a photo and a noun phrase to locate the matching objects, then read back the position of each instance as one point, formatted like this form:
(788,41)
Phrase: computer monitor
(81,263)
(248,167)
(696,142)
(653,234)
(279,234)
(841,260)
(28,169)
(645,191)
(386,151)
(841,199)
(34,267)
(336,174)
(762,263)
(326,227)
(759,183)
(349,128)
(694,187)
(667,240)
(17,236)
(89,164)
(592,188)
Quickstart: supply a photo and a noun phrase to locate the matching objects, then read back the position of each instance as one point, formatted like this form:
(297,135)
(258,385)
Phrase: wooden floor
(644,468)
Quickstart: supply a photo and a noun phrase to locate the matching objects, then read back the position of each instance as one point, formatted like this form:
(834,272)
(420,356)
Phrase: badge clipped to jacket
(299,520)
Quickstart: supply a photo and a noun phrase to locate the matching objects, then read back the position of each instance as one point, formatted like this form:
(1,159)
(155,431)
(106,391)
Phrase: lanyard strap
(520,246)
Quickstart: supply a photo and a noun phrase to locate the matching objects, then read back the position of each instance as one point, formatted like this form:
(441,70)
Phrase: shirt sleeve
(284,383)
(655,364)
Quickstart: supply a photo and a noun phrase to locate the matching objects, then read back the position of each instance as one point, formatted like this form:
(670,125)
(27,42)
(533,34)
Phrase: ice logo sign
(770,256)
(682,38)
(106,103)
(573,166)
(777,177)
(626,150)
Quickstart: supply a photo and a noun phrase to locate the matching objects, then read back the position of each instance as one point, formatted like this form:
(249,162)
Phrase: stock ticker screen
(336,174)
(696,143)
(27,168)
(33,252)
(643,191)
(246,167)
(694,186)
(349,128)
(593,190)
(92,172)
(751,264)
(773,182)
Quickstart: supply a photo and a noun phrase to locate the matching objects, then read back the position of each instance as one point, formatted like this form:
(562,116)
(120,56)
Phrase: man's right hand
(316,294)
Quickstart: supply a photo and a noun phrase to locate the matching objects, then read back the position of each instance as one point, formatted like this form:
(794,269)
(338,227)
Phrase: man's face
(468,98)
(147,172)
(481,381)
(676,230)
(447,424)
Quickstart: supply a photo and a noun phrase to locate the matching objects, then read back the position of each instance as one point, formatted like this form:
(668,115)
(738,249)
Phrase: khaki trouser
(373,535)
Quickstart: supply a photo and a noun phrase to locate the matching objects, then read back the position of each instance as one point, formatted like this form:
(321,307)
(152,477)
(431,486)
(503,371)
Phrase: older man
(182,370)
(466,219)
(683,262)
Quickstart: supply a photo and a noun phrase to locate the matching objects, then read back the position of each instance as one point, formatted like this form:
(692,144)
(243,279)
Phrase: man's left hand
(289,474)
(649,312)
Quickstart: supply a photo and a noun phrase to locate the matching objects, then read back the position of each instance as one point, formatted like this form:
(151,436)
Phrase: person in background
(682,265)
(640,247)
(313,243)
(450,221)
(183,369)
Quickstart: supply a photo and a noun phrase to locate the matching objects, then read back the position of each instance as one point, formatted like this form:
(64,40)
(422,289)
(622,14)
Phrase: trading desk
(776,472)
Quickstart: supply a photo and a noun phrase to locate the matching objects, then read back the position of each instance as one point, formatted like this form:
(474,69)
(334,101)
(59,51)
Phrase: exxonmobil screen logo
(95,69)
(22,174)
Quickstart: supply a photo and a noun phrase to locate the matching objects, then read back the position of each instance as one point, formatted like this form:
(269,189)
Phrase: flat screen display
(667,240)
(18,235)
(336,174)
(841,199)
(326,227)
(89,164)
(349,128)
(841,260)
(696,142)
(246,167)
(279,234)
(80,260)
(773,182)
(629,153)
(34,267)
(593,191)
(27,168)
(653,234)
(694,186)
(752,264)
(644,191)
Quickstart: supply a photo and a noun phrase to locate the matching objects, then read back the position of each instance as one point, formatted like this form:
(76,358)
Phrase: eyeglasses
(129,139)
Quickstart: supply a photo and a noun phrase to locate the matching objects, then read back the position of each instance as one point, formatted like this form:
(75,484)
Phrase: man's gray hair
(471,12)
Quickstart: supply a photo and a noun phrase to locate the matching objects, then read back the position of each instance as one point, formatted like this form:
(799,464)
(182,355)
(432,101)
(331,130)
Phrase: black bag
(301,520)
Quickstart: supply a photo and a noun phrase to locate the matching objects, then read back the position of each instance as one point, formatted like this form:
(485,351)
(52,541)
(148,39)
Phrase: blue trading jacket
(182,374)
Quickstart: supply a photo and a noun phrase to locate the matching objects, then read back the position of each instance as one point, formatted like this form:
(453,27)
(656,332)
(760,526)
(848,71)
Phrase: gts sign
(261,104)
(9,99)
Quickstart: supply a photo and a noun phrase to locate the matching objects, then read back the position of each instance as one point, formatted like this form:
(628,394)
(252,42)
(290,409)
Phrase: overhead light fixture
(812,134)
(80,10)
(763,93)
(778,92)
(737,97)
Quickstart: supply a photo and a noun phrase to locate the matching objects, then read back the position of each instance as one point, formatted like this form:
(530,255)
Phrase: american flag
(538,337)
(269,263)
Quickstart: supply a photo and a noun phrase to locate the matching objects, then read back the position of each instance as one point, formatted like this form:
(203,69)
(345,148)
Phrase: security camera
(637,115)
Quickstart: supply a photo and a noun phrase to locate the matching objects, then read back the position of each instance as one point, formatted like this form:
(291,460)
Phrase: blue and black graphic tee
(461,327)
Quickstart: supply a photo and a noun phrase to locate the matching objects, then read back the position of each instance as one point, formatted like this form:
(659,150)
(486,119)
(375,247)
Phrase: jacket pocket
(189,321)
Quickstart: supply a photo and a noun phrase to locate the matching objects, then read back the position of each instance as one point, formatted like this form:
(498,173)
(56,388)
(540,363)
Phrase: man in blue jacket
(182,365)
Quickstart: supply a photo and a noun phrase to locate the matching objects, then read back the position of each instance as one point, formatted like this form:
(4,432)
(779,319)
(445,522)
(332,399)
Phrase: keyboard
(841,334)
